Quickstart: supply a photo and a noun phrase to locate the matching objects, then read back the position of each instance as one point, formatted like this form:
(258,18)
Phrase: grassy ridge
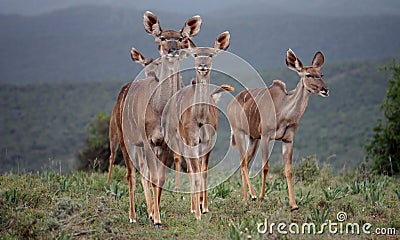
(81,205)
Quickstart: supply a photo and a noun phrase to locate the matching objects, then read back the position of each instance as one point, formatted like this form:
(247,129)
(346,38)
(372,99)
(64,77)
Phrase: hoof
(158,226)
(254,198)
(132,220)
(295,208)
(205,211)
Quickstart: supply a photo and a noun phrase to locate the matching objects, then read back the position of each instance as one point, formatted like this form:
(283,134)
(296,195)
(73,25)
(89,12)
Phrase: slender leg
(145,177)
(265,156)
(204,172)
(251,151)
(196,181)
(177,161)
(247,147)
(162,170)
(287,150)
(131,178)
(152,165)
(113,146)
(239,138)
(192,189)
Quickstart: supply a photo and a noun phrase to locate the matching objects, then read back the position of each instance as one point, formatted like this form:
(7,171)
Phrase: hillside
(92,43)
(45,123)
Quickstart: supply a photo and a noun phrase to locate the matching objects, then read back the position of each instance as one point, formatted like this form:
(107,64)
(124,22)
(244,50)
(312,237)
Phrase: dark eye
(195,55)
(162,38)
(322,75)
(211,55)
(180,39)
(308,75)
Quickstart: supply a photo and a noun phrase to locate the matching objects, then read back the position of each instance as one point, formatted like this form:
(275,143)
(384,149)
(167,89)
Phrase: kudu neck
(169,83)
(202,88)
(297,101)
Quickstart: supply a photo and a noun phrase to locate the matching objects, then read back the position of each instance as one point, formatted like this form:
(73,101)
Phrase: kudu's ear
(192,27)
(293,62)
(137,56)
(318,60)
(222,41)
(188,43)
(151,24)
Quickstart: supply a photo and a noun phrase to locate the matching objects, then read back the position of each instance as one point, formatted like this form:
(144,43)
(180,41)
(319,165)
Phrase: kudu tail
(216,94)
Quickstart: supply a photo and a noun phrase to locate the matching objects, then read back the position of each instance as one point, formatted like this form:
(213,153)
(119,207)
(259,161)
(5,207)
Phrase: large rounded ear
(293,62)
(318,60)
(137,57)
(151,24)
(188,43)
(222,41)
(192,27)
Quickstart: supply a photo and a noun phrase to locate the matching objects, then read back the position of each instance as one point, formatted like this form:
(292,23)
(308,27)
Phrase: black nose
(172,50)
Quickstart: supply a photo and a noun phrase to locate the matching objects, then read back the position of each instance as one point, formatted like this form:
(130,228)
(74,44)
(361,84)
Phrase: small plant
(318,216)
(375,197)
(332,194)
(397,191)
(243,229)
(303,199)
(300,197)
(221,191)
(116,191)
(64,184)
(13,197)
(233,232)
(307,169)
(355,187)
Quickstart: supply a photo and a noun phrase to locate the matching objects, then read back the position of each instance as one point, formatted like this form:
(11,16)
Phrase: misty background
(62,62)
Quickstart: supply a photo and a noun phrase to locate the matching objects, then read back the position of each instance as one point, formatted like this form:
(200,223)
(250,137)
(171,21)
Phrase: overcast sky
(308,7)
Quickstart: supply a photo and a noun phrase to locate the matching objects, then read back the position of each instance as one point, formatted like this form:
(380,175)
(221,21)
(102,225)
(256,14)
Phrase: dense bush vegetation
(384,147)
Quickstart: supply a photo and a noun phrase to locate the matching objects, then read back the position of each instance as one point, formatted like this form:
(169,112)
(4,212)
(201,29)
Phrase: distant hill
(43,123)
(91,43)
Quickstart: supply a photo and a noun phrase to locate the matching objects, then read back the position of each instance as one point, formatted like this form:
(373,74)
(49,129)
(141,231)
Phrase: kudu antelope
(116,134)
(144,104)
(151,67)
(273,114)
(191,119)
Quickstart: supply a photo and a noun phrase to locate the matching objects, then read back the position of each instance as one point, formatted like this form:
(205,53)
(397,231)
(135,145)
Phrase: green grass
(82,205)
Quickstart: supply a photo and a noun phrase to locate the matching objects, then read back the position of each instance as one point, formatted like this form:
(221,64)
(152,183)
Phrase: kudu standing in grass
(116,134)
(191,119)
(144,104)
(273,114)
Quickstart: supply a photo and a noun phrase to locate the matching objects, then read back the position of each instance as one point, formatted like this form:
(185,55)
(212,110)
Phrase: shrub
(307,169)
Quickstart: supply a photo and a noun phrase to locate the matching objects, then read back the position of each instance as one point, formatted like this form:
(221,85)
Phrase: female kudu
(143,107)
(273,114)
(191,119)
